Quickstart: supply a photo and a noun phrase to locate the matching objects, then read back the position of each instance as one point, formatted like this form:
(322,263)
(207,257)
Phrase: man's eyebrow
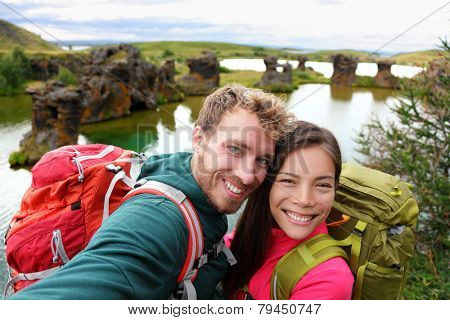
(239,143)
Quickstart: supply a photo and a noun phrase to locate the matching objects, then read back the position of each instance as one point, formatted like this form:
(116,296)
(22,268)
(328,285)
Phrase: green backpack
(371,226)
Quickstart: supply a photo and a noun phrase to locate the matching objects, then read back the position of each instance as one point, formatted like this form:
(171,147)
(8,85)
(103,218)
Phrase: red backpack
(74,190)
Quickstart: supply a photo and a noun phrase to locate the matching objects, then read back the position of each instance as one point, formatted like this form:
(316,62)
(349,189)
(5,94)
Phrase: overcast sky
(316,24)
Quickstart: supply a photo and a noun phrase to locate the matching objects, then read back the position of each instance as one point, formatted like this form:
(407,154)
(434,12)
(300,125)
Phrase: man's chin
(227,208)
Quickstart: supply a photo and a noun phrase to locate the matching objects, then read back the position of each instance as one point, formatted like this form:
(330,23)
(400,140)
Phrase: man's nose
(246,172)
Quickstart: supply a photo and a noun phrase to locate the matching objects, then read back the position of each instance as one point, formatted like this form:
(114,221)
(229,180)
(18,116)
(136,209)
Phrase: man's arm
(136,254)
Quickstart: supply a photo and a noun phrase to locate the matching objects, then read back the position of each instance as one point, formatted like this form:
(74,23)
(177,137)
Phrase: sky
(303,24)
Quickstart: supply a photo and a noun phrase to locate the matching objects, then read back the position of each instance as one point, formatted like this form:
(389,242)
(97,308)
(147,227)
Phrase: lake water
(326,68)
(169,129)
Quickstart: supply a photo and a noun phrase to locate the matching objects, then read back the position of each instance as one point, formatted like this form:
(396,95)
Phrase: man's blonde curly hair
(270,110)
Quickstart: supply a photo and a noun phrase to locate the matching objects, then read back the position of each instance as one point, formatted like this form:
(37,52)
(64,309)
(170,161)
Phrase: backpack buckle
(113,168)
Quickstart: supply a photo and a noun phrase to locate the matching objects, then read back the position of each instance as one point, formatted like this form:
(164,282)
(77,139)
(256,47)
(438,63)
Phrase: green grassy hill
(419,58)
(187,49)
(12,36)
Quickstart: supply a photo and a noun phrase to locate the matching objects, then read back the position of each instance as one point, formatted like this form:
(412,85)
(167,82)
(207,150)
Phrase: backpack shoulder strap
(195,237)
(299,261)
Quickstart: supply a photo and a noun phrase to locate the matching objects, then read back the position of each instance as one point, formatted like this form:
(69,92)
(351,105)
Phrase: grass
(428,276)
(181,50)
(247,78)
(419,58)
(12,36)
(308,76)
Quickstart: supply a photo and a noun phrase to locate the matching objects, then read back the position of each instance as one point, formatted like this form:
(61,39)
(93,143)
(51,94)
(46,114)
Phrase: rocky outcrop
(203,75)
(301,63)
(116,82)
(384,77)
(55,121)
(273,78)
(44,69)
(167,89)
(344,73)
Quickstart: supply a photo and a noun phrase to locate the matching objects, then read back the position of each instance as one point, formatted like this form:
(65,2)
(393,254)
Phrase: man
(140,250)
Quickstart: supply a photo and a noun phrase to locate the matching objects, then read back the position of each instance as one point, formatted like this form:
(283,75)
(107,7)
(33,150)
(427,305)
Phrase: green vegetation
(14,69)
(67,77)
(187,49)
(224,70)
(17,159)
(416,148)
(308,76)
(245,77)
(419,58)
(324,55)
(12,36)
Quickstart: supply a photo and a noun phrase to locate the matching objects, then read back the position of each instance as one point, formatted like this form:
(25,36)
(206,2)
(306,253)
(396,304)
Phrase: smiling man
(140,250)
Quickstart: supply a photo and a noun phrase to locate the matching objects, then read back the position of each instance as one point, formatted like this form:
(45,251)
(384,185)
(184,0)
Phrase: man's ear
(198,139)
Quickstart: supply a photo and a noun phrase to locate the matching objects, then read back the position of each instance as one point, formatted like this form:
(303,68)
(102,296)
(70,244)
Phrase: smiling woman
(290,208)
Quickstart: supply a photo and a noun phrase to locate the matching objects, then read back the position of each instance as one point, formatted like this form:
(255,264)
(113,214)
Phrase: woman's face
(303,192)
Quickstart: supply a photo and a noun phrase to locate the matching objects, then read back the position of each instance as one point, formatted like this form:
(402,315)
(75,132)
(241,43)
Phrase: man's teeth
(233,188)
(296,217)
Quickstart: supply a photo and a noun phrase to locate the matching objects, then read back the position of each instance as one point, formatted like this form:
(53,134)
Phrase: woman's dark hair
(253,230)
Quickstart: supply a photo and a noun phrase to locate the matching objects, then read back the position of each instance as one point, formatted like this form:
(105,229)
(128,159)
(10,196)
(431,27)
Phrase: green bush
(17,158)
(14,69)
(224,70)
(416,148)
(66,76)
(167,53)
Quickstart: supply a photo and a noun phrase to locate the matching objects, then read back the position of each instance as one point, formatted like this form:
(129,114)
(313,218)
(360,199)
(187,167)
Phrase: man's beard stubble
(205,181)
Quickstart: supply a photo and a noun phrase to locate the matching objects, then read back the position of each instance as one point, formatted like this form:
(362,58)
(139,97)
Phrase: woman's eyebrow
(297,176)
(289,174)
(324,177)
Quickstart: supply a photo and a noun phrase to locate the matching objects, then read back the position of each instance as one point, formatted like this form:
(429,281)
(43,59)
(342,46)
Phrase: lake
(169,128)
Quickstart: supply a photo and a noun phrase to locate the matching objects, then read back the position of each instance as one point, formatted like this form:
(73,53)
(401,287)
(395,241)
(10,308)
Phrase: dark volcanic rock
(274,78)
(301,63)
(46,68)
(203,75)
(384,77)
(344,73)
(116,81)
(167,89)
(55,121)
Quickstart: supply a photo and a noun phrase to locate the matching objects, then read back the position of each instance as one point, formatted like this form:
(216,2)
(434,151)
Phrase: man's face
(233,161)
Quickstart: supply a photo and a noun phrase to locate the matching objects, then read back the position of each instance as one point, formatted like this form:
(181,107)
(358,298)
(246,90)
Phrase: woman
(290,208)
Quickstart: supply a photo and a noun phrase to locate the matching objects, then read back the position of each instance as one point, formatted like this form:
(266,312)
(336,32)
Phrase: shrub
(167,53)
(224,70)
(416,148)
(66,76)
(14,69)
(17,158)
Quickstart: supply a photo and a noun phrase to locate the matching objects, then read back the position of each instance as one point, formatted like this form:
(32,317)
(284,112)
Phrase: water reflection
(340,93)
(15,109)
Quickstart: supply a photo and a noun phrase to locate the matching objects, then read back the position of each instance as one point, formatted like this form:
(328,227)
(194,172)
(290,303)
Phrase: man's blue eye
(234,149)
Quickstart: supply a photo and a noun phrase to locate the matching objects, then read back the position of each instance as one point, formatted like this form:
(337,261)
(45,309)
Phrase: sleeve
(331,280)
(136,254)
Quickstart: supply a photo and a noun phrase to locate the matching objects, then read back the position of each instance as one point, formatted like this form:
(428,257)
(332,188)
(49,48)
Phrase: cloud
(327,24)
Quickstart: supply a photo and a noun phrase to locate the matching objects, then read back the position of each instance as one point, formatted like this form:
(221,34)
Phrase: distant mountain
(12,36)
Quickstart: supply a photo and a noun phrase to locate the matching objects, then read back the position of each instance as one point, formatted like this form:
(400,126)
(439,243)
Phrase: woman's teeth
(233,188)
(296,217)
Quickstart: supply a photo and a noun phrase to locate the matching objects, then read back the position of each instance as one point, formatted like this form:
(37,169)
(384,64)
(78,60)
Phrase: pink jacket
(331,280)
